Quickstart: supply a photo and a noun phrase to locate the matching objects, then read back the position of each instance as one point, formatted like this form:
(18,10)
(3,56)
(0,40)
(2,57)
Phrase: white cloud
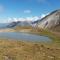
(12,19)
(1,8)
(23,19)
(43,15)
(27,11)
(34,18)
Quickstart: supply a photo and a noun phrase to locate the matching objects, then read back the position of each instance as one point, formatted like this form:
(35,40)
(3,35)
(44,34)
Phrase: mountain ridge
(50,21)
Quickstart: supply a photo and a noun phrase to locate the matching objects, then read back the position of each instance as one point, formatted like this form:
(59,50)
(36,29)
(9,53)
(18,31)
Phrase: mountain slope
(12,24)
(19,23)
(51,21)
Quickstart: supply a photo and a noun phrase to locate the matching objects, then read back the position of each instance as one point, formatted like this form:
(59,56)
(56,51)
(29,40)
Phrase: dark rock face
(13,24)
(19,23)
(50,21)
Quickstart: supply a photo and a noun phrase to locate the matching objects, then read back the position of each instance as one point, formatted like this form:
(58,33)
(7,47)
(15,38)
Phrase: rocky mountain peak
(50,21)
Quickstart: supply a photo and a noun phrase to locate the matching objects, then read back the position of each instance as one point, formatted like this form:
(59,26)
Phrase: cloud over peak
(23,19)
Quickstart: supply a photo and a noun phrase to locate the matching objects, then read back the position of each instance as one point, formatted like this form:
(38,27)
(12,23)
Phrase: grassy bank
(19,50)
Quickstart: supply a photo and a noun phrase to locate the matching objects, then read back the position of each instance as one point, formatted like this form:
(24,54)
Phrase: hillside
(51,21)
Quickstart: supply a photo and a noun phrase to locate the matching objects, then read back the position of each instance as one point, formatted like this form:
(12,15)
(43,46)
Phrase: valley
(29,29)
(31,41)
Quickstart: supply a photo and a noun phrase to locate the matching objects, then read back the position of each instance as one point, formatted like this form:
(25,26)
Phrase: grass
(19,50)
(22,27)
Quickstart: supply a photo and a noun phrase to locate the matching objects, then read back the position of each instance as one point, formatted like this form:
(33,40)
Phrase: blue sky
(26,8)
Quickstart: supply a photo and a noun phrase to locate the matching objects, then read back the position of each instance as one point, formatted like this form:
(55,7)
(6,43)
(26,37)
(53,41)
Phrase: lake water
(24,36)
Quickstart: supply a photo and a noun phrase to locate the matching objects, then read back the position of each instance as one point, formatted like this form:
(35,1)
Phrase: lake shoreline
(7,30)
(55,36)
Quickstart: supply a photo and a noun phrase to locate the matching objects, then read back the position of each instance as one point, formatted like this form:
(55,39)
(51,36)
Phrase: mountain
(27,21)
(12,24)
(18,23)
(51,21)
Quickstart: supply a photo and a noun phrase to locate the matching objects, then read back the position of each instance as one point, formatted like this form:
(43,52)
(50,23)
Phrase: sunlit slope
(51,21)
